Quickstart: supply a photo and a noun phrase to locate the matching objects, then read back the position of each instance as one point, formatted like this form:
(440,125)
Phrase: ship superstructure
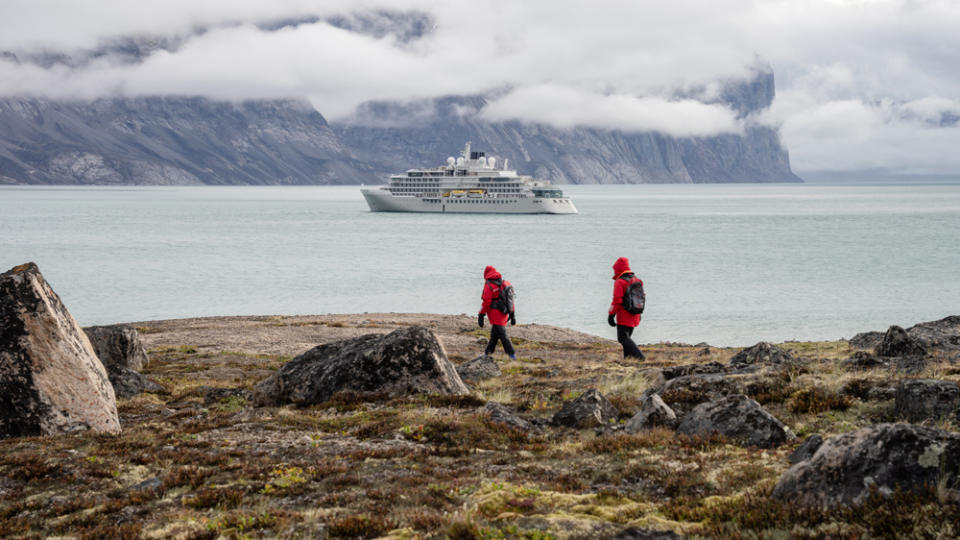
(472,183)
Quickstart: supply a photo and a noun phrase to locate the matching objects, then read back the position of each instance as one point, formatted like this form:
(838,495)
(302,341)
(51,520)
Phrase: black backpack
(504,301)
(633,297)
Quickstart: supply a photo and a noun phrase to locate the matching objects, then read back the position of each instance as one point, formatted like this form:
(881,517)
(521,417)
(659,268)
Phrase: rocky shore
(393,425)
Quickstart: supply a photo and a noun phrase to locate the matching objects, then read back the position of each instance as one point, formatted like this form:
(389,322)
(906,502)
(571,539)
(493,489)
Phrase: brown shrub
(858,388)
(652,438)
(29,467)
(816,400)
(186,475)
(228,497)
(360,526)
(112,531)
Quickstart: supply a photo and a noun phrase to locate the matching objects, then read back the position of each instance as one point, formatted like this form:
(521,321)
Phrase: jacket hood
(620,267)
(491,273)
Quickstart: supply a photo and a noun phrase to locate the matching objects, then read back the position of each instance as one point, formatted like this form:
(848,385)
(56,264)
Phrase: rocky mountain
(171,140)
(392,137)
(193,140)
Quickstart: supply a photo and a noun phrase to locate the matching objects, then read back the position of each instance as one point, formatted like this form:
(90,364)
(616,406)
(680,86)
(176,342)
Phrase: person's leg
(507,344)
(492,344)
(499,333)
(630,349)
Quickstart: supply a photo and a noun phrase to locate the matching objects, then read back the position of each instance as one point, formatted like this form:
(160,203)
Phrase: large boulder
(653,412)
(590,409)
(762,353)
(406,361)
(897,342)
(118,345)
(884,457)
(51,380)
(739,418)
(927,399)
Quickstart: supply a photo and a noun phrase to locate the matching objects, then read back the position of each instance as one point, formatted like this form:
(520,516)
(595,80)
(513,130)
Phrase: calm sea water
(726,264)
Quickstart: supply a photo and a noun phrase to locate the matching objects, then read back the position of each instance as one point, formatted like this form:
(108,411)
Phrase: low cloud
(910,138)
(567,107)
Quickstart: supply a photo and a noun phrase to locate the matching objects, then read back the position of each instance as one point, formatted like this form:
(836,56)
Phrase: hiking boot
(513,357)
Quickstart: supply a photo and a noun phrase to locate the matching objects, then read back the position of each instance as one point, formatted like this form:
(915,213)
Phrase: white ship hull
(381,200)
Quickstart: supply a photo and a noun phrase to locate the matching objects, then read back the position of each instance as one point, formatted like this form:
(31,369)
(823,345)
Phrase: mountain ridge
(175,140)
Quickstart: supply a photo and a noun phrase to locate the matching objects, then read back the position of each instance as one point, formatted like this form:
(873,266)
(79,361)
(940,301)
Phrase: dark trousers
(630,348)
(499,333)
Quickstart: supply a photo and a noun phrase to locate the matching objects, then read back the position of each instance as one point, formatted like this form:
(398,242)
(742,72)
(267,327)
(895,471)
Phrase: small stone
(501,414)
(896,342)
(589,410)
(762,353)
(478,369)
(653,412)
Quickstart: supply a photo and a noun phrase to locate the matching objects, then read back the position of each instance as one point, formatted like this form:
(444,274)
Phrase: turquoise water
(726,264)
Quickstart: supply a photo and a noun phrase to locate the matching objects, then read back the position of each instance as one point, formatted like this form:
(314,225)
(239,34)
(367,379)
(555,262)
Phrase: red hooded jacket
(624,317)
(491,291)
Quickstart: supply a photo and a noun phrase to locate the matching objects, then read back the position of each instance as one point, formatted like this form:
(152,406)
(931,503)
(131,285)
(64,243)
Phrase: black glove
(612,319)
(513,319)
(480,320)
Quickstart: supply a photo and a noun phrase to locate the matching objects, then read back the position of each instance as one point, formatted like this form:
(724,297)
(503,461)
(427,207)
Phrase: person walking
(497,304)
(624,312)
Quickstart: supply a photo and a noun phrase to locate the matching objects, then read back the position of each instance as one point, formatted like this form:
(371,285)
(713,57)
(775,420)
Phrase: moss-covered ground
(364,466)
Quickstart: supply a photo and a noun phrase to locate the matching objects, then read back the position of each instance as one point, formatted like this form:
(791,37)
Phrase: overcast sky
(860,84)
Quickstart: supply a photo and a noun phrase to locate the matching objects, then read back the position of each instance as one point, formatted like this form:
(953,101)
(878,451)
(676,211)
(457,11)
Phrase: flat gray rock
(478,369)
(501,414)
(739,418)
(406,361)
(51,381)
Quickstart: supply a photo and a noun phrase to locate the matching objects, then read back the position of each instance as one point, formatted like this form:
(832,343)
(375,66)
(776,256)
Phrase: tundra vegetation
(198,460)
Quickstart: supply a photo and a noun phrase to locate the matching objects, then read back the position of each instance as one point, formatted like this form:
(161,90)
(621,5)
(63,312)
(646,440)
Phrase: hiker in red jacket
(618,316)
(495,307)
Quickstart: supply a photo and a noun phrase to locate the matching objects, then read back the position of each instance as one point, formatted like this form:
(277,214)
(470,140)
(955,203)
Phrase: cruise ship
(472,183)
